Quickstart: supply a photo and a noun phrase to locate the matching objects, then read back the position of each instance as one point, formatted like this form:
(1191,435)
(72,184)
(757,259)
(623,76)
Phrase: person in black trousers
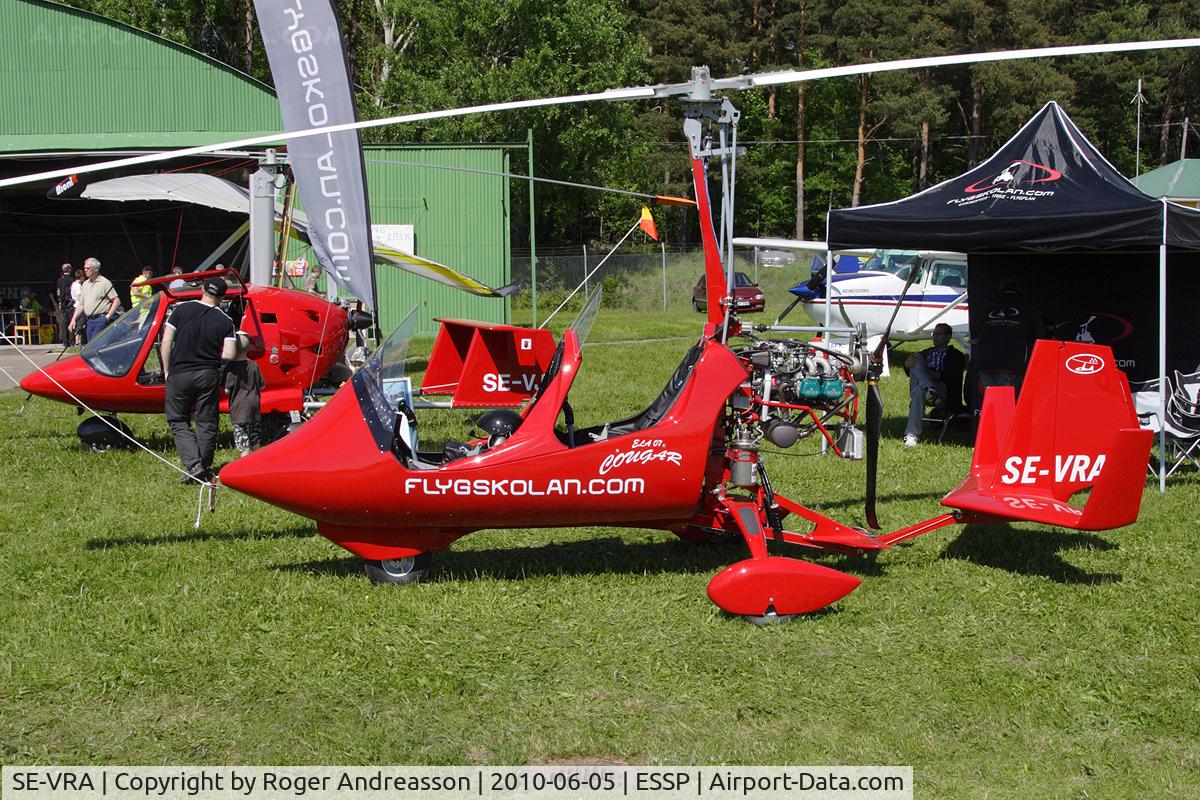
(935,377)
(197,337)
(64,305)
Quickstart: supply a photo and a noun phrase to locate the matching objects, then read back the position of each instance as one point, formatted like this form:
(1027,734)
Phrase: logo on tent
(1097,328)
(1017,173)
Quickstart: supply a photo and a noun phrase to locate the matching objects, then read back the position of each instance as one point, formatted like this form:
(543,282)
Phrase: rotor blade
(799,76)
(658,199)
(700,89)
(874,426)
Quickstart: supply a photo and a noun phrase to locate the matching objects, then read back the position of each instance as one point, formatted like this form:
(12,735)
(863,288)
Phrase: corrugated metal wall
(461,220)
(74,80)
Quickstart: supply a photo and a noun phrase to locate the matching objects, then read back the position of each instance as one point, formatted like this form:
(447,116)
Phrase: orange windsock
(669,200)
(647,224)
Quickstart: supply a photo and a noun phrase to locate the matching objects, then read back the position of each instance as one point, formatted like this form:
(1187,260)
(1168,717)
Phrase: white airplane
(866,285)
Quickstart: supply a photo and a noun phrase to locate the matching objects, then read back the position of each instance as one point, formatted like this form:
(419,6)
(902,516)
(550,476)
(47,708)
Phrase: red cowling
(755,586)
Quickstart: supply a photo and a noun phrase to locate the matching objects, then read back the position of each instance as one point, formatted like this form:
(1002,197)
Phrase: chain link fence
(640,279)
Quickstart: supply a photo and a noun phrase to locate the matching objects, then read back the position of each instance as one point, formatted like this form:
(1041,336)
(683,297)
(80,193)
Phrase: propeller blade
(817,278)
(874,426)
(877,356)
(787,310)
(706,86)
(875,405)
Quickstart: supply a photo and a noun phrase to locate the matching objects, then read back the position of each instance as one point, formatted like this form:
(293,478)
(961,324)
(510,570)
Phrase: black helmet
(499,422)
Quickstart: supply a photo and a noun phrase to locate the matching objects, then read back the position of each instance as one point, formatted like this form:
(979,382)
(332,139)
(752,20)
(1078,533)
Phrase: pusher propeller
(875,405)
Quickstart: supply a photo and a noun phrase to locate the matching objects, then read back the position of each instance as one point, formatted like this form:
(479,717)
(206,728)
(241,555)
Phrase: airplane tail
(1074,428)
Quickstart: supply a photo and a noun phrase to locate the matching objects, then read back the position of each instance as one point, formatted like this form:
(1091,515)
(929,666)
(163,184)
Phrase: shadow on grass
(881,500)
(165,443)
(1029,552)
(102,543)
(606,555)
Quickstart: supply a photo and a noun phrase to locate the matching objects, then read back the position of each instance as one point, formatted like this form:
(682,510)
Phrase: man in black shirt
(197,337)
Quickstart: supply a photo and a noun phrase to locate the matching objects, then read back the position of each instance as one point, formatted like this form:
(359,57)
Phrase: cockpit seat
(655,412)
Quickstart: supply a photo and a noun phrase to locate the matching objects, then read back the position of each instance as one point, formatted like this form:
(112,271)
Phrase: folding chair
(1183,434)
(1181,423)
(1187,387)
(935,415)
(1146,396)
(24,334)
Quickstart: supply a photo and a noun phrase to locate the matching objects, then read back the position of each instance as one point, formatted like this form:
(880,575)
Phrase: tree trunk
(1164,138)
(800,108)
(976,124)
(861,159)
(251,25)
(923,166)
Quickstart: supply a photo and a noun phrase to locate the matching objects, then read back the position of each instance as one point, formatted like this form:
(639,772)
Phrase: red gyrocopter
(295,337)
(690,463)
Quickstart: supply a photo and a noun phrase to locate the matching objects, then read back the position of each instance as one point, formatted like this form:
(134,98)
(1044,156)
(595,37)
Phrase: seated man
(935,377)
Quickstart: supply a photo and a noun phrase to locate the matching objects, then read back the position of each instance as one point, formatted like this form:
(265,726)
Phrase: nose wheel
(410,569)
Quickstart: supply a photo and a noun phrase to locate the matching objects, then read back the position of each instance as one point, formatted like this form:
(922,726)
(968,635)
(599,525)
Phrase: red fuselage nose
(72,381)
(316,470)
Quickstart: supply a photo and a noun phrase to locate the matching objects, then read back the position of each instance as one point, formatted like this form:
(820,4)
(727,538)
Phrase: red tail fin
(487,365)
(1073,428)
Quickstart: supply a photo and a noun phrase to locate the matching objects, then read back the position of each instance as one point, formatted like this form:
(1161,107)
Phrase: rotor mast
(701,107)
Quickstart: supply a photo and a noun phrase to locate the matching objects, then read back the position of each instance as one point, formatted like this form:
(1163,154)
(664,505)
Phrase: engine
(796,389)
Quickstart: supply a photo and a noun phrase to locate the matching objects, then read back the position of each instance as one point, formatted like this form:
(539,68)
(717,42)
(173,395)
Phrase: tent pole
(1162,354)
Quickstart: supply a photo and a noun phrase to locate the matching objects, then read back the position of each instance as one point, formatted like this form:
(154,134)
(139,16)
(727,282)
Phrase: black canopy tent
(1050,211)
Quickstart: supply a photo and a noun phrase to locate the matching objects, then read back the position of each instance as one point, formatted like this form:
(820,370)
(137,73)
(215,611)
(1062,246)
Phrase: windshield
(583,323)
(897,262)
(115,348)
(741,280)
(382,385)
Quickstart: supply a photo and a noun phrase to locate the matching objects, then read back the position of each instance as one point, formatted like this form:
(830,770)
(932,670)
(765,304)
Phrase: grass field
(1001,662)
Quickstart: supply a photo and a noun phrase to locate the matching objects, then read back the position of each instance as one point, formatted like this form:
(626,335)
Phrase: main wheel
(411,569)
(769,618)
(99,435)
(696,305)
(275,425)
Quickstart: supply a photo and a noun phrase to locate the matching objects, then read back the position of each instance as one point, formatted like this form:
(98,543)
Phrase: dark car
(747,297)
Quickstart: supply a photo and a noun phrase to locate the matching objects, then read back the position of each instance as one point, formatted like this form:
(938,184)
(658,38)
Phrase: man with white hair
(99,300)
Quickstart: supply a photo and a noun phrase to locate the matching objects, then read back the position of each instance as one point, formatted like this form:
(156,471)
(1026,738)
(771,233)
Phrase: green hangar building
(80,88)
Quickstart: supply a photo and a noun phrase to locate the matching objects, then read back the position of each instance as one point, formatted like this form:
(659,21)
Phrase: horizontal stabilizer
(487,365)
(1074,428)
